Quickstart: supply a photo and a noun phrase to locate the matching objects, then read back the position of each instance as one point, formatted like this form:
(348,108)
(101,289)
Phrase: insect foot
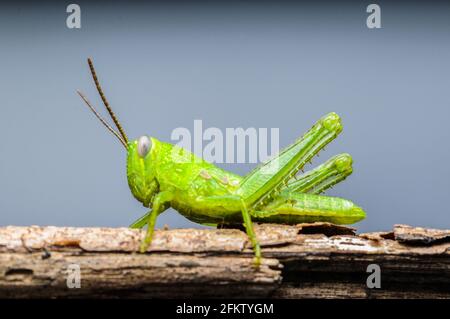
(143,247)
(257,262)
(257,258)
(145,243)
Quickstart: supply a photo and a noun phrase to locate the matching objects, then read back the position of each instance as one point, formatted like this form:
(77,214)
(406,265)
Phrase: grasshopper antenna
(102,119)
(105,102)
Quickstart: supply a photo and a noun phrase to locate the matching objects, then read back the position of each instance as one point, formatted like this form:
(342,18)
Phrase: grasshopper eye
(144,145)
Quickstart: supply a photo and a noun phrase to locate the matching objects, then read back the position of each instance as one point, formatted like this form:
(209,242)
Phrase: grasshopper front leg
(139,223)
(159,205)
(266,181)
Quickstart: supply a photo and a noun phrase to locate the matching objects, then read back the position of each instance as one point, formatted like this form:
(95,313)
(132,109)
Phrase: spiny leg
(324,176)
(299,202)
(261,185)
(159,205)
(266,181)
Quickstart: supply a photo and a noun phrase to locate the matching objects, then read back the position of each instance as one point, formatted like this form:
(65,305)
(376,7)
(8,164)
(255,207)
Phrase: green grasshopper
(161,175)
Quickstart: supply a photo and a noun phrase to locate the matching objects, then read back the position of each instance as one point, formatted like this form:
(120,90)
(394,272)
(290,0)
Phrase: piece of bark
(219,263)
(419,235)
(134,275)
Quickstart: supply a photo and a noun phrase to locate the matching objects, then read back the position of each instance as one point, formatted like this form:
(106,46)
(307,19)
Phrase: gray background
(251,65)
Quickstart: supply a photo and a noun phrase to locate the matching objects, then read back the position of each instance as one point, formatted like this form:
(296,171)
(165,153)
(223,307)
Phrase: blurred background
(230,64)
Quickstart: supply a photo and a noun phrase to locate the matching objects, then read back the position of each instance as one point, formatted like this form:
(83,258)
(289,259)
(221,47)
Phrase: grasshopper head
(140,169)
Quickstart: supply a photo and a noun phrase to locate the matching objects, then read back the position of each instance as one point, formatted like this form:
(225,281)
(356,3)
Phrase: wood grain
(317,260)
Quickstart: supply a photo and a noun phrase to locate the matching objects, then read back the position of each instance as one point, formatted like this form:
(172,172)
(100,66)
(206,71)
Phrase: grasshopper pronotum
(207,194)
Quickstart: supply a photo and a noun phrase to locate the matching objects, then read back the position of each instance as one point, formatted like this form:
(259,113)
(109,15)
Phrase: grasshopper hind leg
(251,233)
(295,208)
(323,177)
(265,182)
(234,203)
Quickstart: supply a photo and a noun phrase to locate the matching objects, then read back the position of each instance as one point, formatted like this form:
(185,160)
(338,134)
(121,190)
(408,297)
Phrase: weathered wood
(317,260)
